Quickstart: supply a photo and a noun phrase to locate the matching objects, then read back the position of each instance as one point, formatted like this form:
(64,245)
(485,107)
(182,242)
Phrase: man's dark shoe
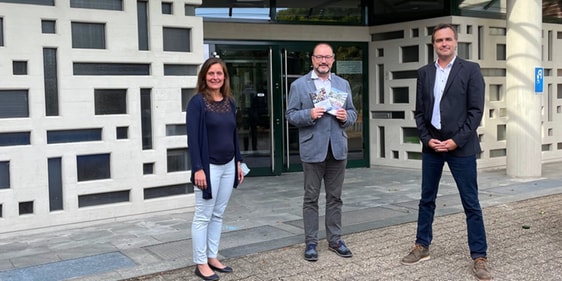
(481,269)
(310,253)
(418,253)
(340,249)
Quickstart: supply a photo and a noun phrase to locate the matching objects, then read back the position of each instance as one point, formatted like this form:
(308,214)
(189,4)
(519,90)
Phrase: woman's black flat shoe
(226,269)
(213,277)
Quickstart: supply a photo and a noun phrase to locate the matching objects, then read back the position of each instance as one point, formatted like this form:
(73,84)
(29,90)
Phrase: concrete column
(524,32)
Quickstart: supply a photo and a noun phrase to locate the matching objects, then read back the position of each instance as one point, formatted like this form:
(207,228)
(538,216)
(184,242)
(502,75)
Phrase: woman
(215,162)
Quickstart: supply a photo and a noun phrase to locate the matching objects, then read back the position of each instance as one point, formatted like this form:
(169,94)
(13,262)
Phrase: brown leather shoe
(481,269)
(419,253)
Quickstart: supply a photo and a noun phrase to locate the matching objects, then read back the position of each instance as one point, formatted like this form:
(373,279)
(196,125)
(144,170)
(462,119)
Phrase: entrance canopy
(358,12)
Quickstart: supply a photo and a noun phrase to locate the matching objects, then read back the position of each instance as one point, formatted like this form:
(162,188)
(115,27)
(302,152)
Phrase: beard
(323,66)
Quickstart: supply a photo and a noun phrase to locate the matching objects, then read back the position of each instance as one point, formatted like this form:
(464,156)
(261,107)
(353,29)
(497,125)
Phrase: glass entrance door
(261,76)
(350,64)
(251,80)
(295,62)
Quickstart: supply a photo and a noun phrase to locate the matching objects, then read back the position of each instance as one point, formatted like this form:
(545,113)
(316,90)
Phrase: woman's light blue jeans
(207,219)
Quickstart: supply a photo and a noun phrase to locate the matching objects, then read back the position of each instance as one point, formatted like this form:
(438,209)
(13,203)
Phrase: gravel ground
(524,243)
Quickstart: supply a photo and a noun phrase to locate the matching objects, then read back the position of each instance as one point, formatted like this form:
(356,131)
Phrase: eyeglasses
(319,57)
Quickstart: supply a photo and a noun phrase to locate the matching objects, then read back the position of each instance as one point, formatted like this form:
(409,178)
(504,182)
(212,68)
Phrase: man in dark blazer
(449,108)
(322,148)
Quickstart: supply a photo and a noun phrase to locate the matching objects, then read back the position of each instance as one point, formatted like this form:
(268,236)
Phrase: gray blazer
(315,135)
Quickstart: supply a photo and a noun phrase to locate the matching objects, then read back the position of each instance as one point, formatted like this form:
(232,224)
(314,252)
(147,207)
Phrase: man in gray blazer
(322,146)
(449,108)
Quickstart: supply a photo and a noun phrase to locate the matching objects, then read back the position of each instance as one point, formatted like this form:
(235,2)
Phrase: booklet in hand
(331,101)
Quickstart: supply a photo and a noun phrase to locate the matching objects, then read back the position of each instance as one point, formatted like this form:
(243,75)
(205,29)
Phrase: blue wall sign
(539,79)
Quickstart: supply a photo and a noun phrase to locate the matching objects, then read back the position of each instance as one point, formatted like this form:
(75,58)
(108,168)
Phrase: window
(33,2)
(146,118)
(48,26)
(400,95)
(501,52)
(404,74)
(142,24)
(349,12)
(93,167)
(26,208)
(498,31)
(19,67)
(4,174)
(498,152)
(388,114)
(98,4)
(410,54)
(122,133)
(55,184)
(410,135)
(167,8)
(464,50)
(19,138)
(88,35)
(177,39)
(110,101)
(86,68)
(175,130)
(50,78)
(189,10)
(411,155)
(1,32)
(180,69)
(169,190)
(178,160)
(382,36)
(501,132)
(14,103)
(495,92)
(148,168)
(430,53)
(186,95)
(381,77)
(103,198)
(77,135)
(382,144)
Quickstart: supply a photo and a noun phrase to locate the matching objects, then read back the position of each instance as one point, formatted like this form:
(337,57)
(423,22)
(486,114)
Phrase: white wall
(495,112)
(23,40)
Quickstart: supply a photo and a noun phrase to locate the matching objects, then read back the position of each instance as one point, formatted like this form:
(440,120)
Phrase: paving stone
(263,236)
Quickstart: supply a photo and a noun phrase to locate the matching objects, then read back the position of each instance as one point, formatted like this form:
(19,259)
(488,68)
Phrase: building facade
(93,97)
(92,107)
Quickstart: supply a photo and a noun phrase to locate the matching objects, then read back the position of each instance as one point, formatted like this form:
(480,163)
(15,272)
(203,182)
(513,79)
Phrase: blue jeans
(463,170)
(207,220)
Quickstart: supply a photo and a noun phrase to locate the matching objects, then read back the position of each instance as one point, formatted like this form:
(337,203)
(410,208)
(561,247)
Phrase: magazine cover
(331,101)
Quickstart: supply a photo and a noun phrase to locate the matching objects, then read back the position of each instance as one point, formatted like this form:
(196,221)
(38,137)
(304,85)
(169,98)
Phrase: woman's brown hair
(202,79)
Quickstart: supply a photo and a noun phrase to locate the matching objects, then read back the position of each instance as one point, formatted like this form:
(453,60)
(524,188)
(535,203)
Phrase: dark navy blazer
(461,107)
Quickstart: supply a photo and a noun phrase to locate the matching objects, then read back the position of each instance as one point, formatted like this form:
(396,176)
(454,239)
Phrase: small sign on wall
(539,80)
(349,67)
